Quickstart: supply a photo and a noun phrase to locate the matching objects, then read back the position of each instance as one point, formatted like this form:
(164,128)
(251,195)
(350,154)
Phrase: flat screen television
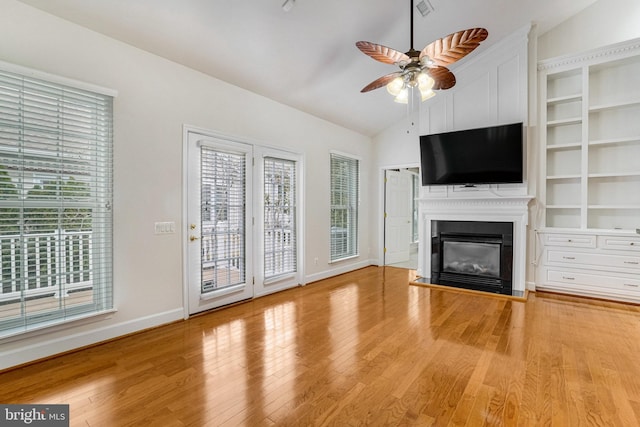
(489,155)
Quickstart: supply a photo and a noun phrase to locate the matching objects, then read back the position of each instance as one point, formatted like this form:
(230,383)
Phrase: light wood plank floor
(364,348)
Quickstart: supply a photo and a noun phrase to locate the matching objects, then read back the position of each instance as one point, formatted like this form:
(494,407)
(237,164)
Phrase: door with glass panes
(278,215)
(242,221)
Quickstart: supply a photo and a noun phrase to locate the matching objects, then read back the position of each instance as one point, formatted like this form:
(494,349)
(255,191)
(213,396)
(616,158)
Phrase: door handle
(192,238)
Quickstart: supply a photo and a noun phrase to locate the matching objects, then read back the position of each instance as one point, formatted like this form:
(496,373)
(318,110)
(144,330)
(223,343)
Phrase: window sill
(17,334)
(344,259)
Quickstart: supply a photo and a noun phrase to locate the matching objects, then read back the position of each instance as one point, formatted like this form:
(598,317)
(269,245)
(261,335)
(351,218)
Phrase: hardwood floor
(364,348)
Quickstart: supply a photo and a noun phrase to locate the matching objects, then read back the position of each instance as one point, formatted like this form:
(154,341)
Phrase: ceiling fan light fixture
(395,86)
(426,94)
(425,82)
(424,69)
(402,97)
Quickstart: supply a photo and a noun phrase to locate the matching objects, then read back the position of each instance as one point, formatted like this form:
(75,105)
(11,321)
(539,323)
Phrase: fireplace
(473,255)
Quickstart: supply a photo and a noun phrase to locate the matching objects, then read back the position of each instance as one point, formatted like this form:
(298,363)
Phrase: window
(55,203)
(345,183)
(280,252)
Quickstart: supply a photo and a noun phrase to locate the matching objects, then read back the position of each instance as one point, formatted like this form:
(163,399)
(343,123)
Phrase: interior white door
(398,213)
(219,222)
(278,220)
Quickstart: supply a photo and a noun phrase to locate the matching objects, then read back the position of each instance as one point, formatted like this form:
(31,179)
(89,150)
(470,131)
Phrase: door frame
(258,146)
(382,204)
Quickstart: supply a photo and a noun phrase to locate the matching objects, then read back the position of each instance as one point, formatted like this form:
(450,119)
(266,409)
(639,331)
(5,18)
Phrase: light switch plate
(168,227)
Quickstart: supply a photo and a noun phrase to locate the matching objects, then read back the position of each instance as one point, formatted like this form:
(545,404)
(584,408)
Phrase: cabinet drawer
(604,282)
(593,260)
(619,243)
(570,240)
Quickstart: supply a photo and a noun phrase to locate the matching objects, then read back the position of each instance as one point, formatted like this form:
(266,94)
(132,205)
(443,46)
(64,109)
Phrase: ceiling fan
(424,69)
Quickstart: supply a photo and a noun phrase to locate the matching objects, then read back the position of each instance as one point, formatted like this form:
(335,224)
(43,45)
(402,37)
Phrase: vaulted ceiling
(305,57)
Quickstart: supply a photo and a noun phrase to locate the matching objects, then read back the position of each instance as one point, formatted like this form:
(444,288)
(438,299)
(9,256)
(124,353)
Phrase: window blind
(223,219)
(345,183)
(55,203)
(280,251)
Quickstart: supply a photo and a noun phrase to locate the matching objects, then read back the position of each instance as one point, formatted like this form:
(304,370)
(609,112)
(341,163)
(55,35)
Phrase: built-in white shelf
(565,146)
(564,99)
(614,175)
(558,177)
(625,207)
(561,122)
(563,206)
(614,141)
(614,105)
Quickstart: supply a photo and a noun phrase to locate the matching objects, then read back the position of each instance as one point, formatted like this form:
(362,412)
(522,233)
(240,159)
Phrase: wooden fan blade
(454,47)
(381,53)
(382,81)
(444,79)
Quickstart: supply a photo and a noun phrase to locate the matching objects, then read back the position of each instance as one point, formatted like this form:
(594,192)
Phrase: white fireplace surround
(513,209)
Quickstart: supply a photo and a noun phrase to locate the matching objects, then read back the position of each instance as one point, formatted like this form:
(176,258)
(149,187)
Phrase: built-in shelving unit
(590,172)
(591,122)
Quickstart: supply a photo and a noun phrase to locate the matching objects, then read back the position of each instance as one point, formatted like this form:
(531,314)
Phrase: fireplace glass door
(468,257)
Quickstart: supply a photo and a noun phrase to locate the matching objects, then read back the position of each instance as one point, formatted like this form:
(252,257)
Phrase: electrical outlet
(165,227)
(315,260)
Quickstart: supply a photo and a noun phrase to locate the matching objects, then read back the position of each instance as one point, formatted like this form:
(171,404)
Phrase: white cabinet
(590,121)
(609,269)
(589,185)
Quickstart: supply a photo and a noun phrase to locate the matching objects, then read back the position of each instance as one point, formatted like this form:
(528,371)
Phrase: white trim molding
(609,53)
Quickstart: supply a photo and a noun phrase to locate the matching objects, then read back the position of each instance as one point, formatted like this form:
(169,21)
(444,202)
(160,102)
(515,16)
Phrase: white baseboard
(47,348)
(339,269)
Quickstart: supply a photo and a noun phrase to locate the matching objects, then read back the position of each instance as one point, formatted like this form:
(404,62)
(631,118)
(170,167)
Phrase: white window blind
(345,183)
(280,252)
(55,203)
(223,219)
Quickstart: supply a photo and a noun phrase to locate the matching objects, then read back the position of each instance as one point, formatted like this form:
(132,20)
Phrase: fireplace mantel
(497,208)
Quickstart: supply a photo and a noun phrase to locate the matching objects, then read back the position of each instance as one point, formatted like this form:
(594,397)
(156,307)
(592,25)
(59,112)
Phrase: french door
(278,216)
(242,222)
(219,209)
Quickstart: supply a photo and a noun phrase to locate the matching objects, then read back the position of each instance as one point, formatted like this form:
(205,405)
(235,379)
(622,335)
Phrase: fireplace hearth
(474,255)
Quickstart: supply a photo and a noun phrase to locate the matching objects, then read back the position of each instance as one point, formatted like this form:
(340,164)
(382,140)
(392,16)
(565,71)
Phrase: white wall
(603,23)
(155,99)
